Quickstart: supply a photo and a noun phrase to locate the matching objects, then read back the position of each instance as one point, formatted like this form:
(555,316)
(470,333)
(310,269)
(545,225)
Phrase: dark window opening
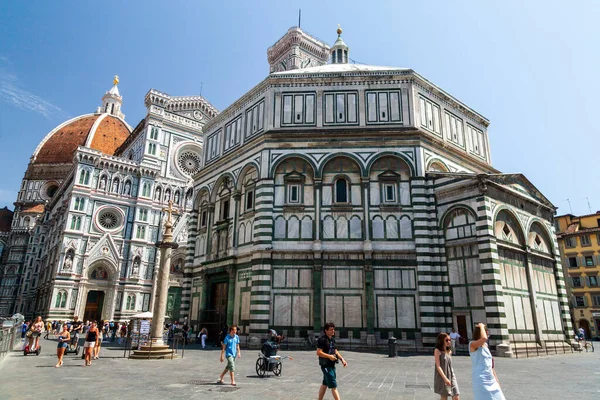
(572,261)
(225,210)
(341,191)
(249,199)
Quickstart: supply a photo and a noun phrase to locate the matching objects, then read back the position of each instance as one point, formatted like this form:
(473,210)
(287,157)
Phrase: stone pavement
(368,376)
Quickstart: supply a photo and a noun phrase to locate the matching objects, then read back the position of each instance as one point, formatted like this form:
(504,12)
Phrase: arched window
(84,177)
(341,191)
(61,299)
(130,302)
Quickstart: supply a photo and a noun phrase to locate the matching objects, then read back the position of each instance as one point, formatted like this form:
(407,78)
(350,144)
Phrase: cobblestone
(368,376)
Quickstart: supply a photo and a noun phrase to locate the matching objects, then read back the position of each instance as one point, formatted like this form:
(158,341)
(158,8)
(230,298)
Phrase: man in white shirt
(455,336)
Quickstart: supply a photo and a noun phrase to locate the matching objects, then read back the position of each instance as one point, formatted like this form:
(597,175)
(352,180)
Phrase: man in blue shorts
(230,350)
(328,357)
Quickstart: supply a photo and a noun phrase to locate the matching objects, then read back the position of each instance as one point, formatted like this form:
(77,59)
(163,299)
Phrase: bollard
(392,347)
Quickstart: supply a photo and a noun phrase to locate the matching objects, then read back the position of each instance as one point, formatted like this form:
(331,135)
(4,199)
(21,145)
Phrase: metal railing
(533,349)
(9,337)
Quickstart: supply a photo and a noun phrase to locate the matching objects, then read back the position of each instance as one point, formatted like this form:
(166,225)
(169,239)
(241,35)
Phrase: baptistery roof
(103,132)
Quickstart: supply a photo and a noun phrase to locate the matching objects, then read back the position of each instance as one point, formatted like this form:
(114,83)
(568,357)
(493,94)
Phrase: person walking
(91,339)
(203,335)
(455,337)
(484,378)
(444,380)
(63,341)
(230,350)
(328,357)
(24,328)
(48,329)
(99,341)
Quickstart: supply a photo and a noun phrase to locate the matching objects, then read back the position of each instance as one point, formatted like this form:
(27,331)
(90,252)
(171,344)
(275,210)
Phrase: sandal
(220,382)
(233,384)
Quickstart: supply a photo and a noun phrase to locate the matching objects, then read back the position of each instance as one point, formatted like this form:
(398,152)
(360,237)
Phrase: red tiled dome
(108,133)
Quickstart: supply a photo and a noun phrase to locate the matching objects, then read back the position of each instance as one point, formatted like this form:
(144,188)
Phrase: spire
(112,100)
(339,51)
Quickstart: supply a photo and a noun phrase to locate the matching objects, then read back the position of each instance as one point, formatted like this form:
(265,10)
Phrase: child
(231,350)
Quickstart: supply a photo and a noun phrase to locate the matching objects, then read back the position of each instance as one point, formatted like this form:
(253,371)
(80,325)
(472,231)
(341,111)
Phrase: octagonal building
(365,196)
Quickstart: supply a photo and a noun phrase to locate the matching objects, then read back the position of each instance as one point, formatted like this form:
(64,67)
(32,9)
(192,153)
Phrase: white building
(365,195)
(89,210)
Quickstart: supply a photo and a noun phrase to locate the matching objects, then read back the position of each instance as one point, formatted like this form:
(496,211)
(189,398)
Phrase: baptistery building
(366,196)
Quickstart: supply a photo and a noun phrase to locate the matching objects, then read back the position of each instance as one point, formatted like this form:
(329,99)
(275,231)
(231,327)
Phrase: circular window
(51,190)
(189,162)
(48,190)
(109,219)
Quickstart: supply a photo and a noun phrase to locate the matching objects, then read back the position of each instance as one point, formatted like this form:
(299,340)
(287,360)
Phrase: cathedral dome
(103,132)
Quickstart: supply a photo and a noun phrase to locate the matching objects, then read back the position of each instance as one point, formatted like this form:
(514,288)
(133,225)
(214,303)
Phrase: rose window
(108,219)
(189,162)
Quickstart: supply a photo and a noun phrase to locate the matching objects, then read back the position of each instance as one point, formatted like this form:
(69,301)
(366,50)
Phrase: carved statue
(176,197)
(102,183)
(127,190)
(115,187)
(68,261)
(157,194)
(135,269)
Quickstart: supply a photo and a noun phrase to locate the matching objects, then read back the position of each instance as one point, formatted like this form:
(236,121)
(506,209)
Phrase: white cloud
(12,93)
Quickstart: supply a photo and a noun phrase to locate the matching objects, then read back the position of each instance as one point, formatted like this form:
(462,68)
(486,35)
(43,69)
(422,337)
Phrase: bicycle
(309,342)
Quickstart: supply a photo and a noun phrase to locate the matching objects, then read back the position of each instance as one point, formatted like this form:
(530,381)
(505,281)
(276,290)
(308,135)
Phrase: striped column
(432,276)
(563,296)
(186,293)
(489,261)
(260,292)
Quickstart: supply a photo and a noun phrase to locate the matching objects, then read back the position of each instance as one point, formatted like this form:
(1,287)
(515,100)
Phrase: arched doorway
(585,324)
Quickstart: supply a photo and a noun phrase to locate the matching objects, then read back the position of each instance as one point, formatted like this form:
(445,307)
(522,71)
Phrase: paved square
(368,376)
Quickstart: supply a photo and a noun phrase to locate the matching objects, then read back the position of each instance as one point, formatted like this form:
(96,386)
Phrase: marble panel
(473,270)
(374,194)
(352,311)
(406,228)
(341,228)
(245,306)
(326,195)
(282,314)
(476,296)
(405,193)
(242,233)
(556,316)
(334,310)
(460,296)
(395,279)
(355,193)
(293,228)
(305,278)
(328,278)
(548,315)
(380,278)
(279,277)
(249,233)
(391,228)
(279,195)
(280,229)
(510,314)
(355,228)
(328,228)
(292,278)
(301,313)
(479,316)
(408,279)
(377,224)
(406,312)
(386,312)
(307,228)
(356,278)
(343,278)
(308,199)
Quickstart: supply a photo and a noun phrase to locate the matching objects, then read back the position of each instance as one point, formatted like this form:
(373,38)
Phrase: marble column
(230,294)
(160,302)
(209,224)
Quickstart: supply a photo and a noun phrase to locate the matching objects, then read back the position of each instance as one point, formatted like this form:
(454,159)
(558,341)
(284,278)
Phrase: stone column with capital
(160,302)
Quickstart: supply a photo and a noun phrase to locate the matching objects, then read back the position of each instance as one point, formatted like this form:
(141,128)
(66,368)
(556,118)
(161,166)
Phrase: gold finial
(116,80)
(339,30)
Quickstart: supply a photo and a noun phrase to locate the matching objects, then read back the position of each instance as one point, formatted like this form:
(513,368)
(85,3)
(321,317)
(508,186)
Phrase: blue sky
(530,67)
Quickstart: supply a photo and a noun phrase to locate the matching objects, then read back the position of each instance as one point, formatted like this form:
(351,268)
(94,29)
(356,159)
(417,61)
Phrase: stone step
(152,356)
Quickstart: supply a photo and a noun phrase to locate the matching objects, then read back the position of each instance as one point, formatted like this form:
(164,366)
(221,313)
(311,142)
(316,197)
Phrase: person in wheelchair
(274,337)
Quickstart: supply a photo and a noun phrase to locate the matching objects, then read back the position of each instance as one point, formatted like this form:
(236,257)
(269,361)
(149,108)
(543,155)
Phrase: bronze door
(93,306)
